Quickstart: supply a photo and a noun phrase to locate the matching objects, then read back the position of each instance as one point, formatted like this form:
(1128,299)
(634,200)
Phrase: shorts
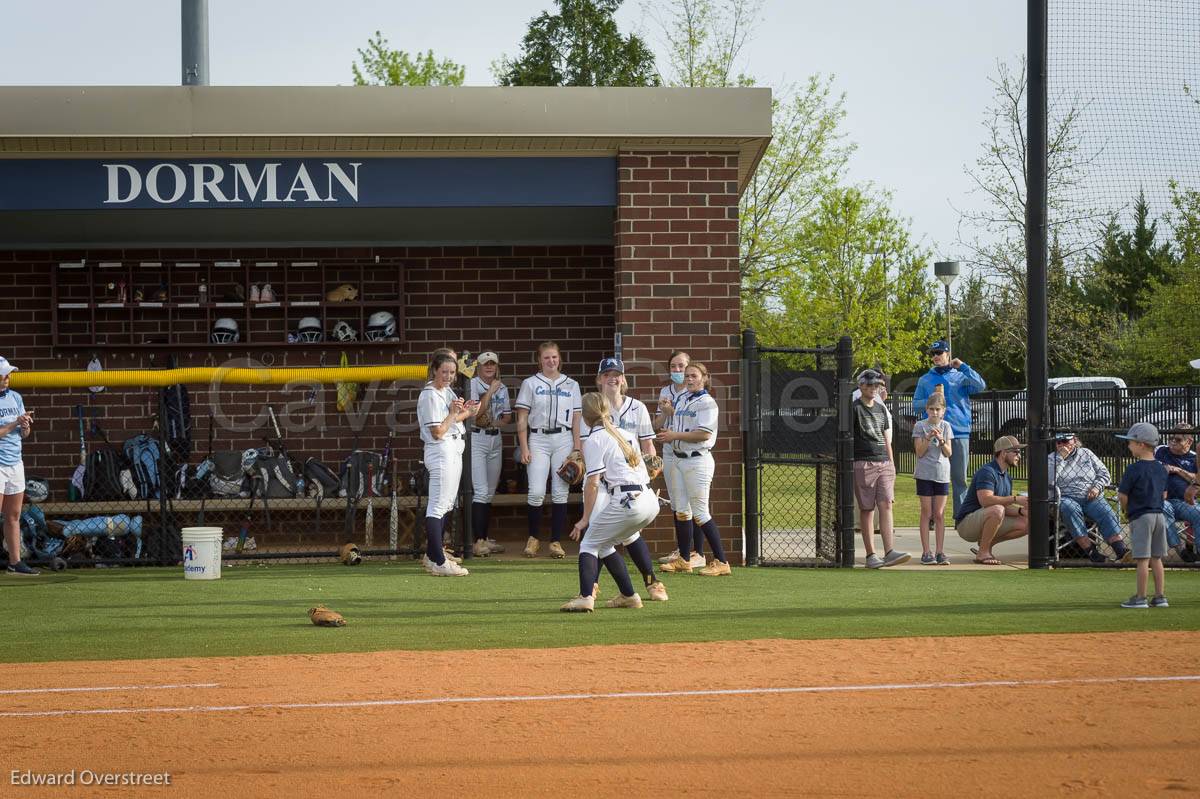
(12,479)
(971,527)
(874,482)
(932,488)
(1148,533)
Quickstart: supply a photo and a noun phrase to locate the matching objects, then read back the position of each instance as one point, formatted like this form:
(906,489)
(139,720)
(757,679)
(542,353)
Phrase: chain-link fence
(797,459)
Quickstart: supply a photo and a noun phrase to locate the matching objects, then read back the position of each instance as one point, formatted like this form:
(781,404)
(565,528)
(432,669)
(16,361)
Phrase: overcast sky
(915,72)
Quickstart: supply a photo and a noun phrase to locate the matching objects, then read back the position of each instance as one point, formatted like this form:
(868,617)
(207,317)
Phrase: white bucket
(202,553)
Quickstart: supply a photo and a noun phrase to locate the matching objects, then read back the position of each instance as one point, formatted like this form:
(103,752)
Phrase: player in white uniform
(547,409)
(487,449)
(615,467)
(676,366)
(440,414)
(691,435)
(632,417)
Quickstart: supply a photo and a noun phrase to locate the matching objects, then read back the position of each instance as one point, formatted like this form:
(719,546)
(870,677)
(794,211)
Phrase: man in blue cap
(958,382)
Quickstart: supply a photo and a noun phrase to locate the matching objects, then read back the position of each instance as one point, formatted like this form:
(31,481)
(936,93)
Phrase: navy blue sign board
(115,183)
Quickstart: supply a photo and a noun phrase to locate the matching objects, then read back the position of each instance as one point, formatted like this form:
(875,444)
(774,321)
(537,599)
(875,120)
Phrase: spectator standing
(958,382)
(1142,492)
(874,471)
(932,438)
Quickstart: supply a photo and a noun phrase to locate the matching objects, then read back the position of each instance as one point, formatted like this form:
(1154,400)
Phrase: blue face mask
(677,378)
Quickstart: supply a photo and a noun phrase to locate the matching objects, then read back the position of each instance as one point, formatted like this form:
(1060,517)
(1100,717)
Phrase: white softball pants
(487,455)
(615,524)
(443,459)
(548,453)
(693,481)
(669,473)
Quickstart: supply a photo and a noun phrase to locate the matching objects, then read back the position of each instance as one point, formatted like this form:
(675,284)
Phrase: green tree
(995,233)
(579,46)
(1126,262)
(383,66)
(861,275)
(704,40)
(1158,347)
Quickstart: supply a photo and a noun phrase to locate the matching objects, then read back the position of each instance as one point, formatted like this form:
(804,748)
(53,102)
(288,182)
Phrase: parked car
(1075,399)
(1164,408)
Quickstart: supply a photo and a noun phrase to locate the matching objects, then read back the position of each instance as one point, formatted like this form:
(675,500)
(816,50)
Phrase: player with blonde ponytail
(614,466)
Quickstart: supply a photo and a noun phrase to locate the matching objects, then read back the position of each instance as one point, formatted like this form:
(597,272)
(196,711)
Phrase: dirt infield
(898,717)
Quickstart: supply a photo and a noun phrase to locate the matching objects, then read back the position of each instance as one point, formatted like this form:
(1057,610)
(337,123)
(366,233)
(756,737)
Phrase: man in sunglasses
(990,513)
(1180,461)
(1081,478)
(958,382)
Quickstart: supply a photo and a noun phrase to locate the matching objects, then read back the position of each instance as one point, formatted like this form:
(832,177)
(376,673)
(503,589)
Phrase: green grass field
(143,613)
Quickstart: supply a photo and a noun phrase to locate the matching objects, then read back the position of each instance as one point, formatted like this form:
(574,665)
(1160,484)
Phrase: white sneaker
(268,293)
(427,564)
(451,556)
(580,604)
(480,549)
(254,294)
(448,569)
(495,547)
(697,561)
(668,558)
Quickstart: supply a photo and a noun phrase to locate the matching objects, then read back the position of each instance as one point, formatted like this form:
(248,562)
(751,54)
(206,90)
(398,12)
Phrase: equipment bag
(226,478)
(143,454)
(191,481)
(279,478)
(102,476)
(354,474)
(322,482)
(177,421)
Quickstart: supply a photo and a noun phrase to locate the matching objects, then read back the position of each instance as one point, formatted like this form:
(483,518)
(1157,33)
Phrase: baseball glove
(324,617)
(349,555)
(484,420)
(572,468)
(654,465)
(342,293)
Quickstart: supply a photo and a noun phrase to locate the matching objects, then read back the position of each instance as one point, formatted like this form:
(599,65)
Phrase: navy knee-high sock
(589,573)
(535,520)
(617,568)
(639,551)
(683,537)
(479,519)
(433,540)
(697,538)
(714,539)
(558,521)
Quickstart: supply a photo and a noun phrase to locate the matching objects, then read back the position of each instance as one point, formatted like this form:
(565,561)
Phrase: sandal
(989,561)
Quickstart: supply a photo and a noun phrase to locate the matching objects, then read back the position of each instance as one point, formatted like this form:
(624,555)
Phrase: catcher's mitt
(324,617)
(572,468)
(349,555)
(654,465)
(484,420)
(342,293)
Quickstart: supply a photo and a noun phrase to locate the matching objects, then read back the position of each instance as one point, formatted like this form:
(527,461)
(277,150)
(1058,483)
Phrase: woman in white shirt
(547,409)
(677,364)
(691,435)
(440,414)
(632,417)
(614,466)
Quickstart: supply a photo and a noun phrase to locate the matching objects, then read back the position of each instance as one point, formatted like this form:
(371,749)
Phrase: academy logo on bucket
(189,565)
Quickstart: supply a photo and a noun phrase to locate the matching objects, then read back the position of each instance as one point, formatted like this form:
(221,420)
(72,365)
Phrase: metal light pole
(947,271)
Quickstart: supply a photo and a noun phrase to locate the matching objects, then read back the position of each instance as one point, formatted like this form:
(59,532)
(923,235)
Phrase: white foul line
(109,688)
(450,700)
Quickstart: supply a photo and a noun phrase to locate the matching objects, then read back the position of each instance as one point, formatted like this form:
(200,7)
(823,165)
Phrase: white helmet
(381,326)
(309,329)
(225,331)
(342,331)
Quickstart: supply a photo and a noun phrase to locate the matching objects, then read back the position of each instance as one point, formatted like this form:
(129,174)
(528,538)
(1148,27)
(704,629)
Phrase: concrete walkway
(1014,554)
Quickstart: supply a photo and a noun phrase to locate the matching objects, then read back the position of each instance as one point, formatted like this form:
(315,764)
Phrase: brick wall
(677,287)
(502,298)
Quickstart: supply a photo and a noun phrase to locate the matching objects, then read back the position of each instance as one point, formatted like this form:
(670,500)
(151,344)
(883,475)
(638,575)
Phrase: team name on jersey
(543,391)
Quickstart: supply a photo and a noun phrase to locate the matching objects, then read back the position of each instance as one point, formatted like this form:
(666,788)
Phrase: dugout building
(132,219)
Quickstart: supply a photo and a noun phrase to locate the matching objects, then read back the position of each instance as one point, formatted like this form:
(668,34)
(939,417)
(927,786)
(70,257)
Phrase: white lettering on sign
(207,183)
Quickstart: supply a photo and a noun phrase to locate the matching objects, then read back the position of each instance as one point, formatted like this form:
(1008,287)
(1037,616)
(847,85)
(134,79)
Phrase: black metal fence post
(845,451)
(751,467)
